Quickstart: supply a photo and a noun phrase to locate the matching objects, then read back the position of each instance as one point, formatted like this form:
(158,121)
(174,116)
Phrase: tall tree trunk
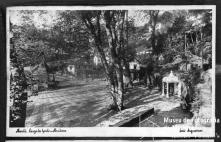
(114,30)
(185,49)
(153,22)
(120,89)
(153,39)
(201,38)
(48,69)
(110,73)
(53,77)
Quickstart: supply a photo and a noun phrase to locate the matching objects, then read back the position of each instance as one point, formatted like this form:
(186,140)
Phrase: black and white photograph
(111,71)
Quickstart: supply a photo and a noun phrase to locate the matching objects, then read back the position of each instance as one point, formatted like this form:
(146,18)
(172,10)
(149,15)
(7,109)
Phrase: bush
(191,79)
(18,96)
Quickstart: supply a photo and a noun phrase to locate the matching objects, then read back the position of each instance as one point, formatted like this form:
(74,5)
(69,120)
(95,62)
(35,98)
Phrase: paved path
(80,105)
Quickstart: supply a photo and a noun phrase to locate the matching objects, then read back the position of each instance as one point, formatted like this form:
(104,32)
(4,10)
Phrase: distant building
(97,60)
(134,65)
(141,50)
(39,74)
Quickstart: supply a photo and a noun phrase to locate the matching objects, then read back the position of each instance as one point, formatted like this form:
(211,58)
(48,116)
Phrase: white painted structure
(170,85)
(97,60)
(134,65)
(71,69)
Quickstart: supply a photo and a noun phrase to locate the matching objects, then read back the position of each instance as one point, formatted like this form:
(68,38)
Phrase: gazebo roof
(171,78)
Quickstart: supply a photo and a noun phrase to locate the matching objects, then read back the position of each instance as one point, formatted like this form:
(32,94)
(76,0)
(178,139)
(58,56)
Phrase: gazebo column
(175,89)
(167,95)
(179,89)
(163,89)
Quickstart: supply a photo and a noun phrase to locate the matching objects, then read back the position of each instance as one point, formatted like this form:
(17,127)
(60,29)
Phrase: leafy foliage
(18,85)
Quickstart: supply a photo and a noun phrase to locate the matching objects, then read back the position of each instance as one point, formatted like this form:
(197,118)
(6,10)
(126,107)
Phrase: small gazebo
(170,85)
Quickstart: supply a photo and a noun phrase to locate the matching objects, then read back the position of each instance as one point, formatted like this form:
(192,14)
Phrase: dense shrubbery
(18,96)
(19,83)
(194,97)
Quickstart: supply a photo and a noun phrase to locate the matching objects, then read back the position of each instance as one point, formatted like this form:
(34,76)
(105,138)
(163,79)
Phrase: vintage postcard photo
(107,71)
